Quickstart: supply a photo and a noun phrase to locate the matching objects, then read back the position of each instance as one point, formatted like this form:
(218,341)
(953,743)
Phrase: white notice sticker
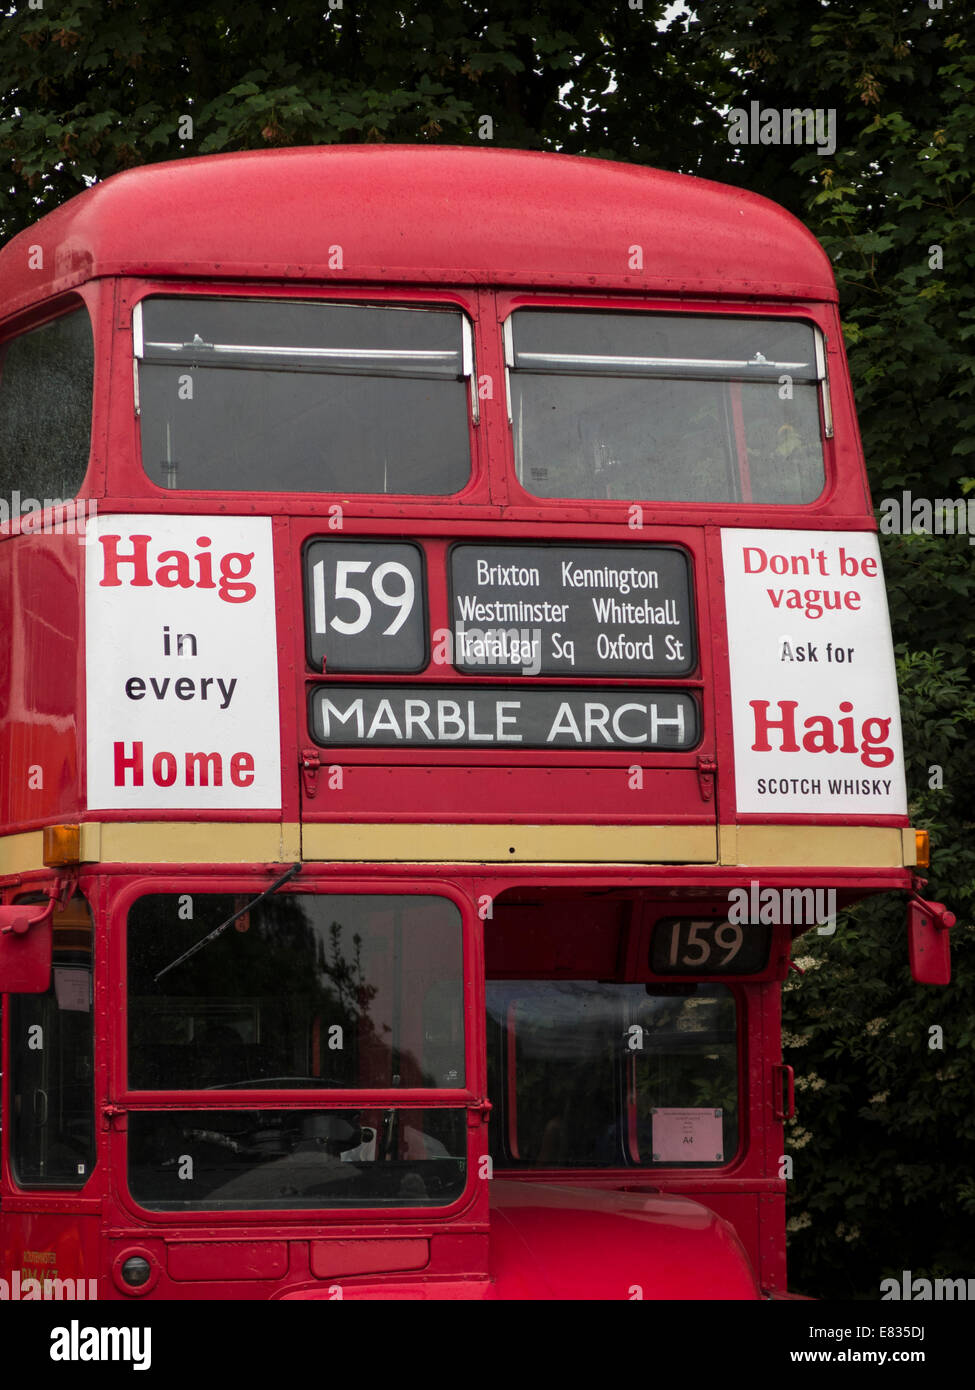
(687,1136)
(72,989)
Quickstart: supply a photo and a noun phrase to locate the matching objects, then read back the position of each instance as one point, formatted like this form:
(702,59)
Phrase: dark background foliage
(884,1139)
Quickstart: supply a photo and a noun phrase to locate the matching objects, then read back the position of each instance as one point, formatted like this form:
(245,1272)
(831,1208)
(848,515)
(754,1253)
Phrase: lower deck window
(307,993)
(52,1049)
(590,1074)
(304,990)
(224,1160)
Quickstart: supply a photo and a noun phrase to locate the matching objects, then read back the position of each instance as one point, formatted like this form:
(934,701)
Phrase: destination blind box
(519,610)
(502,717)
(616,612)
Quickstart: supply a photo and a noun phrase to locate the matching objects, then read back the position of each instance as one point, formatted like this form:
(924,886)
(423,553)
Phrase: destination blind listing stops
(589,611)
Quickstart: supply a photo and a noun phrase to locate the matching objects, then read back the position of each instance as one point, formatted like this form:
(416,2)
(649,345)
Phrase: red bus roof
(421,214)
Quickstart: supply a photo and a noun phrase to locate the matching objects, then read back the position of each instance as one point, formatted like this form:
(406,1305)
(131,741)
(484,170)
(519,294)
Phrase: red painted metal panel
(418,1291)
(422,214)
(510,795)
(333,1259)
(625,1246)
(40,615)
(587,940)
(51,1242)
(227,1259)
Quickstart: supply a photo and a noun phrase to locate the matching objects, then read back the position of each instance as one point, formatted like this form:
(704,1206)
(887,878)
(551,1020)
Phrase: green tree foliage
(92,88)
(885,1133)
(884,1140)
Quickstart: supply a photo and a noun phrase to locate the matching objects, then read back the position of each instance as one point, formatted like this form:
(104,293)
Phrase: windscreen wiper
(212,936)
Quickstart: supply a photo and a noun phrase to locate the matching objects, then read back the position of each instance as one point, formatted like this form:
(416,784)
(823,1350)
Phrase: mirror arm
(944,918)
(58,897)
(64,890)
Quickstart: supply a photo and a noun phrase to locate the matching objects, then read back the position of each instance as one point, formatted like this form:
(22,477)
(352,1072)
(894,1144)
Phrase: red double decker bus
(447,663)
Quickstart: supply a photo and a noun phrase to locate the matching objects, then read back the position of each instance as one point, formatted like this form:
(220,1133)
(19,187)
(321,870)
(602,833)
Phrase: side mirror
(927,941)
(26,945)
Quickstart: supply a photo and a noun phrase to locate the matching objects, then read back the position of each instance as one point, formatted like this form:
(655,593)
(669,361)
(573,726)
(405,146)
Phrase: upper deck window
(240,395)
(687,408)
(46,380)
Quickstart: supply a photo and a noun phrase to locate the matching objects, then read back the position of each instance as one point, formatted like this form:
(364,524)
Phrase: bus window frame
(748,1016)
(469,1098)
(135,484)
(33,887)
(97,301)
(820,316)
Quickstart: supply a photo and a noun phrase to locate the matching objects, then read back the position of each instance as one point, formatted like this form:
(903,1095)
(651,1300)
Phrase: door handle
(780,1073)
(40,1107)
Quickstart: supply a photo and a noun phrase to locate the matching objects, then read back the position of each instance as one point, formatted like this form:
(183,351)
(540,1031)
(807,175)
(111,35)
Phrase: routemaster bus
(445,664)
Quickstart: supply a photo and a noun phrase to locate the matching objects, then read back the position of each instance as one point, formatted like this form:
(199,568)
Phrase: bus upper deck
(560,429)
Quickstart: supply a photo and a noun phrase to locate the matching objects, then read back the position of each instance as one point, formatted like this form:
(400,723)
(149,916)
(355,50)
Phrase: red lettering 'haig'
(175,569)
(822,734)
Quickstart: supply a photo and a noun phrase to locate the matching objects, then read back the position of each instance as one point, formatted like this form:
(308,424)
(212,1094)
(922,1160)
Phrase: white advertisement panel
(813,689)
(181,663)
